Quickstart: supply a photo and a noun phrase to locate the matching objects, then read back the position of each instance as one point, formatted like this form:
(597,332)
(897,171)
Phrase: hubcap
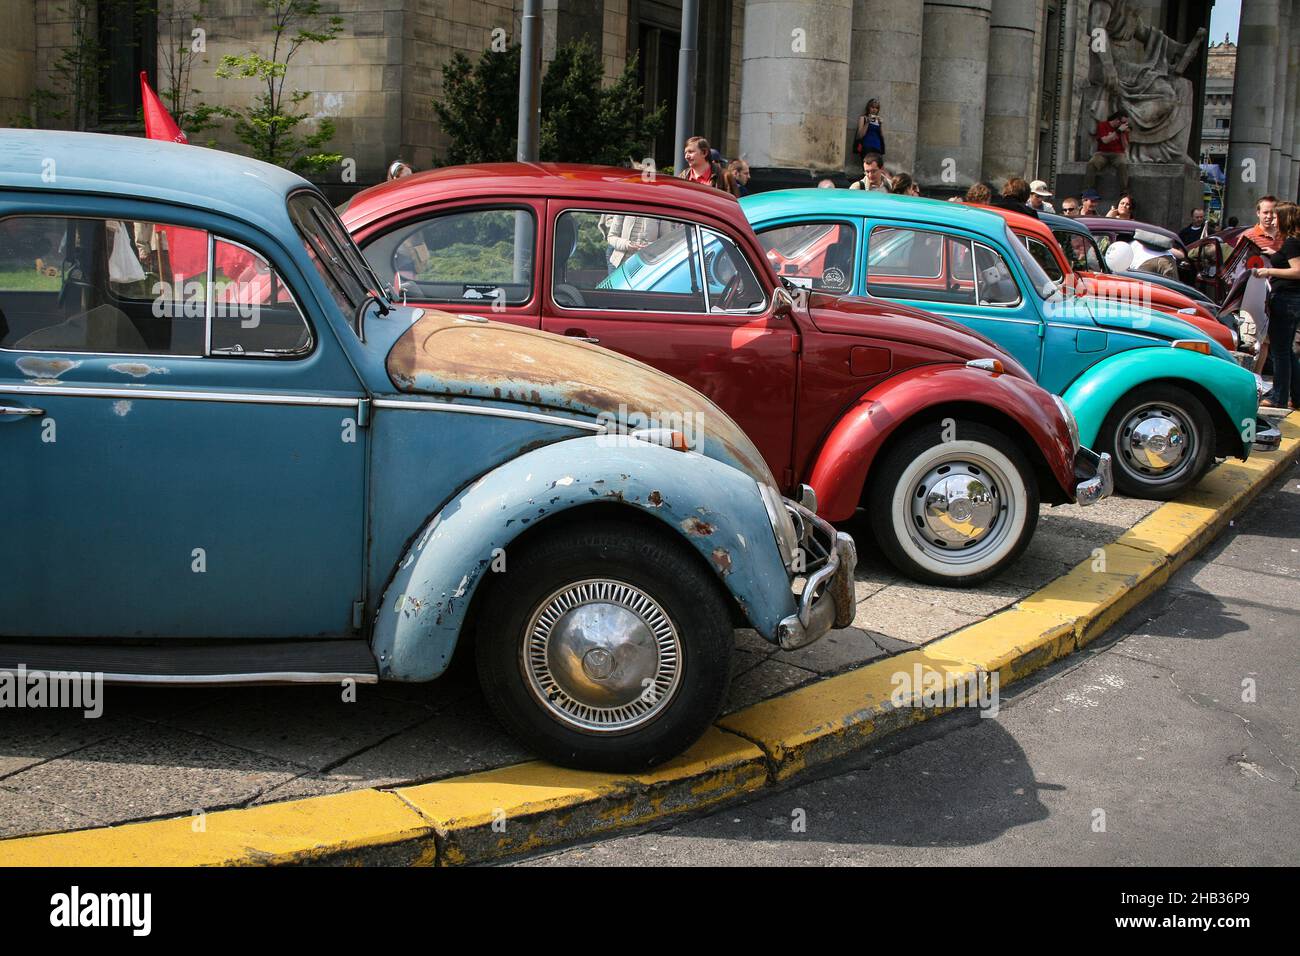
(602,656)
(959,509)
(1156,442)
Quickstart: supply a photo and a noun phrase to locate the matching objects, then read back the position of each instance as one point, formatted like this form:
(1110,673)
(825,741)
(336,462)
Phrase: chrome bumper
(828,597)
(1094,476)
(1268,437)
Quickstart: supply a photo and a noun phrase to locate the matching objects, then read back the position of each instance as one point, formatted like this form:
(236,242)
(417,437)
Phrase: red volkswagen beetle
(942,437)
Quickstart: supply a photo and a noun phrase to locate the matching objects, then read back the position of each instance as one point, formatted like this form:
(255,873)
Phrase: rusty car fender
(840,470)
(423,611)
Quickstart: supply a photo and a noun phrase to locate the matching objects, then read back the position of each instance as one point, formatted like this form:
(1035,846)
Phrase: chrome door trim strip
(411,405)
(180,395)
(262,677)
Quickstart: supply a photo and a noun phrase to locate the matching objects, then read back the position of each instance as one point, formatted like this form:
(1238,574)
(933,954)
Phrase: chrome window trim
(420,221)
(908,228)
(704,275)
(440,406)
(179,395)
(213,239)
(207,305)
(704,291)
(851,224)
(1020,296)
(282,356)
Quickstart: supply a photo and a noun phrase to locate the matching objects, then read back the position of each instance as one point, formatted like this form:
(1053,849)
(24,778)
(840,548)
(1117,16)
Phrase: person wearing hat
(1090,198)
(1038,196)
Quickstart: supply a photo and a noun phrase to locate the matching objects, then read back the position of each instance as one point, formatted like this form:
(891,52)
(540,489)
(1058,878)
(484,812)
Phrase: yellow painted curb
(528,806)
(502,812)
(840,715)
(364,825)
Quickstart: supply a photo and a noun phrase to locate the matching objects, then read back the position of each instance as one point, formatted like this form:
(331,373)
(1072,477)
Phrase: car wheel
(953,512)
(605,648)
(1162,440)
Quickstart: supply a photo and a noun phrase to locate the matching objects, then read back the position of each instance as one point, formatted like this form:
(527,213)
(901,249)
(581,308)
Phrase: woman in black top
(1284,309)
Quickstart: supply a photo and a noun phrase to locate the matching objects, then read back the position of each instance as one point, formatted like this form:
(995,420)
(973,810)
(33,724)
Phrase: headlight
(787,539)
(1069,420)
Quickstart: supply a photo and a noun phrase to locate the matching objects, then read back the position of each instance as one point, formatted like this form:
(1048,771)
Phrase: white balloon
(1119,256)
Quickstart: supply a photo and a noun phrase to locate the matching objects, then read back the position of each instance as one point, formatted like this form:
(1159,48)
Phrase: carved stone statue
(1138,70)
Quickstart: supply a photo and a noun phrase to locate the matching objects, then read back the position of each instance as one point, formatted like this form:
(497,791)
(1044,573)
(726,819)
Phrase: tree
(479,110)
(582,121)
(181,41)
(269,126)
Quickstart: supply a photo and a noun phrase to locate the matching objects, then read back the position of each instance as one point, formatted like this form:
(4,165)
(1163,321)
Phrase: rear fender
(713,507)
(845,458)
(1229,389)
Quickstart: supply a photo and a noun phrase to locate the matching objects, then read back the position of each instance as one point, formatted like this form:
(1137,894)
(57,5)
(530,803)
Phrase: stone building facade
(1216,117)
(970,89)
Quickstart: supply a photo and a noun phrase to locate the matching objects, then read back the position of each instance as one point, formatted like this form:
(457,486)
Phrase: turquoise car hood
(1108,313)
(471,359)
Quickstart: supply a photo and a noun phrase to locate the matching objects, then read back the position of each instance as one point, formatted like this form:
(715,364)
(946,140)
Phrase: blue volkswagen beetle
(1159,396)
(229,457)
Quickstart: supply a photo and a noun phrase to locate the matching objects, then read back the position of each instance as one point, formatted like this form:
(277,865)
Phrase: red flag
(158,123)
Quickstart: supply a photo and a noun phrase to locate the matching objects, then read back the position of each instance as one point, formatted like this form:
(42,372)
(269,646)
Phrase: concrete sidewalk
(405,751)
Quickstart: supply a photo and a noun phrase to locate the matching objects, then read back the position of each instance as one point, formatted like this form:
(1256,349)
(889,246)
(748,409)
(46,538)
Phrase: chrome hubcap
(1156,442)
(959,510)
(602,656)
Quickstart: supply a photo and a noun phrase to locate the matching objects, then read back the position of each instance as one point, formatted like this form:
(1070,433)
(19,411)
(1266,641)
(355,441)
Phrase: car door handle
(20,410)
(582,336)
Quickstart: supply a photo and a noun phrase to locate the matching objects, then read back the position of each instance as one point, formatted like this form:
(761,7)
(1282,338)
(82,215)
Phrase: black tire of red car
(605,647)
(941,460)
(1138,433)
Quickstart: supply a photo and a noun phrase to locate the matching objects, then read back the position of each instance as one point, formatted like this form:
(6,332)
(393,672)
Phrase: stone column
(886,64)
(954,77)
(1276,176)
(1011,82)
(795,82)
(1253,96)
(1287,187)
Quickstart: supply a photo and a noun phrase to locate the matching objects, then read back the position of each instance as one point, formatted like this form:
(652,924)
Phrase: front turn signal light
(987,364)
(1192,345)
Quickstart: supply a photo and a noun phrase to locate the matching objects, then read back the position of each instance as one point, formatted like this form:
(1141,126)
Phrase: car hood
(884,319)
(1112,314)
(481,361)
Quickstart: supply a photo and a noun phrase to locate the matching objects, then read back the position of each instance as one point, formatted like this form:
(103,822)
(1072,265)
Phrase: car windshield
(336,258)
(1039,279)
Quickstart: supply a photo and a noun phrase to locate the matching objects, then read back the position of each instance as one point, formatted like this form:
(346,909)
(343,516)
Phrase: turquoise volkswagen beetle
(230,458)
(1157,395)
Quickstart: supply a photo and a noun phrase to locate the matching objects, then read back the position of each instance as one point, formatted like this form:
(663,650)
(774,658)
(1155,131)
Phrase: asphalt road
(1175,740)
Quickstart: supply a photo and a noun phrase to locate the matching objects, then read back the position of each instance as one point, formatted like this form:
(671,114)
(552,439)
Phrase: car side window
(253,311)
(994,280)
(732,285)
(822,254)
(460,256)
(1043,256)
(625,263)
(139,288)
(919,264)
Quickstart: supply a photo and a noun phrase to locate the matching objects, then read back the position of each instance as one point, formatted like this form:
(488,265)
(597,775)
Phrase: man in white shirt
(1038,196)
(873,178)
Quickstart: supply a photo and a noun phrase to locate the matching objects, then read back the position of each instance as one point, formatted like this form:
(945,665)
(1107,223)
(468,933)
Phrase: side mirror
(782,303)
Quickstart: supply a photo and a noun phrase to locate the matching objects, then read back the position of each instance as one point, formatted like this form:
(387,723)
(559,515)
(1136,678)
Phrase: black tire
(1164,403)
(538,576)
(914,461)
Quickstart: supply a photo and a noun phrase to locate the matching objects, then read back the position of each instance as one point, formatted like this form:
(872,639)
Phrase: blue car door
(181,449)
(954,275)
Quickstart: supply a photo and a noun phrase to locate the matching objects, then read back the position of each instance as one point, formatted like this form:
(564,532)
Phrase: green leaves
(269,125)
(582,121)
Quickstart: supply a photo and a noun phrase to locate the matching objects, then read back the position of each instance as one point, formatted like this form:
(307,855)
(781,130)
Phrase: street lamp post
(686,61)
(530,70)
